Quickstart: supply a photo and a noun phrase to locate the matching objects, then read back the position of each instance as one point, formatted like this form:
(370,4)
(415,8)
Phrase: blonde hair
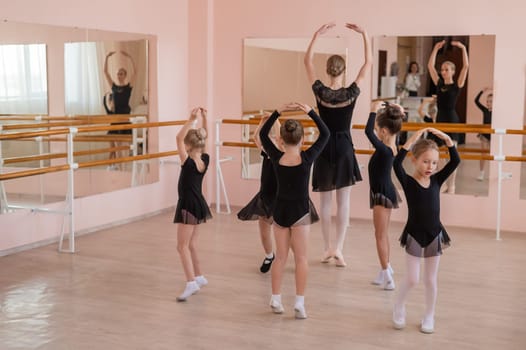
(451,65)
(195,138)
(335,65)
(422,146)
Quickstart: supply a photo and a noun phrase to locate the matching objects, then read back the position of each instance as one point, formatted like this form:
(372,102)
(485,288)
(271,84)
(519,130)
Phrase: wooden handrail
(92,138)
(48,156)
(73,117)
(52,169)
(64,131)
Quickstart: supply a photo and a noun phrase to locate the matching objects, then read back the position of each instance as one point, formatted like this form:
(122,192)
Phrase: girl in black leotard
(192,208)
(336,169)
(448,91)
(424,235)
(486,119)
(383,195)
(293,210)
(260,207)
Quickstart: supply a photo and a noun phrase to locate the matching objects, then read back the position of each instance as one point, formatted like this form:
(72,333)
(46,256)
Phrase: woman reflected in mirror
(447,92)
(336,169)
(412,79)
(486,119)
(120,96)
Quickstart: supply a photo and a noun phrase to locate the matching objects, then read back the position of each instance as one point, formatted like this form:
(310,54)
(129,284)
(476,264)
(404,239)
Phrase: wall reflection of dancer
(447,92)
(120,93)
(336,169)
(486,112)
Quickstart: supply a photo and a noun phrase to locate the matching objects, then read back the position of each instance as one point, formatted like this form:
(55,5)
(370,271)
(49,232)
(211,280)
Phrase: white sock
(270,255)
(390,268)
(300,300)
(191,288)
(201,281)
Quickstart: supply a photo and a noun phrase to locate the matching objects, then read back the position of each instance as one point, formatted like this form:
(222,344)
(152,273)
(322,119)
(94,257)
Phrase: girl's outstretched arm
(432,61)
(308,60)
(465,64)
(182,133)
(368,53)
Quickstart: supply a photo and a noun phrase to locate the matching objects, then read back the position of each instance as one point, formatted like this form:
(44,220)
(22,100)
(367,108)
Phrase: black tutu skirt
(259,207)
(382,200)
(434,248)
(192,212)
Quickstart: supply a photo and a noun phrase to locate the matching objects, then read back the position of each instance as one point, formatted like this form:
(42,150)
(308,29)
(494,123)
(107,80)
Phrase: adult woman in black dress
(448,91)
(120,93)
(336,169)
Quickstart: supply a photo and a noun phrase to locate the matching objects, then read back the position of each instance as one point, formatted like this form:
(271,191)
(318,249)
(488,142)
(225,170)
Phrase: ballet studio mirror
(274,74)
(66,67)
(393,59)
(523,164)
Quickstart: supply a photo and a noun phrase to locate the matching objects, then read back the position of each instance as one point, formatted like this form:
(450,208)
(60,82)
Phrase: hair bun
(201,133)
(289,126)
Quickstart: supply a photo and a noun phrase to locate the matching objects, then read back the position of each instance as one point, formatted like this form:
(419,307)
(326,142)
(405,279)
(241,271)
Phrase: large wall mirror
(273,74)
(522,194)
(65,73)
(400,71)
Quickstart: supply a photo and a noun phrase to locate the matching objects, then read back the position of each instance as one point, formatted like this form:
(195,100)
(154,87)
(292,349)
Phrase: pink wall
(199,60)
(168,20)
(235,20)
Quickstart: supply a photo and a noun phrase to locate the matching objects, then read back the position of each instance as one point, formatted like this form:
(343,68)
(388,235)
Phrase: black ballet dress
(447,95)
(486,114)
(293,206)
(424,235)
(261,205)
(382,191)
(191,207)
(121,102)
(336,167)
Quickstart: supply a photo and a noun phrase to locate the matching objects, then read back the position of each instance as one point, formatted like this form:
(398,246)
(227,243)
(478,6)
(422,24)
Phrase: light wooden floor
(118,292)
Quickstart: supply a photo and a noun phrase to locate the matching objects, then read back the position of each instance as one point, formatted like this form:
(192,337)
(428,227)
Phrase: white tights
(412,277)
(342,217)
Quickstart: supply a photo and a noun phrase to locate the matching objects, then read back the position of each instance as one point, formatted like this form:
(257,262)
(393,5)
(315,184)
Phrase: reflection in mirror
(23,79)
(401,73)
(523,164)
(86,83)
(273,74)
(66,91)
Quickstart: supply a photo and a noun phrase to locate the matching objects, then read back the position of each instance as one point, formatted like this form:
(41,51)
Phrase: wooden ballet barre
(304,122)
(56,168)
(48,156)
(443,153)
(81,138)
(122,117)
(126,159)
(64,131)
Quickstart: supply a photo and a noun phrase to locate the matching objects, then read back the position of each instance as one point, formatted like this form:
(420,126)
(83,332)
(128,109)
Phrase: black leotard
(447,95)
(336,167)
(191,205)
(121,103)
(292,198)
(263,202)
(423,221)
(486,114)
(380,166)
